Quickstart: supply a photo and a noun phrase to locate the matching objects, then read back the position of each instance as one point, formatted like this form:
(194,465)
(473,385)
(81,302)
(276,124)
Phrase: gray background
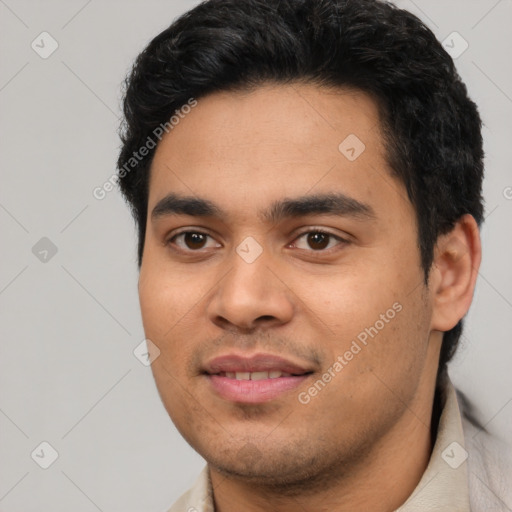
(70,321)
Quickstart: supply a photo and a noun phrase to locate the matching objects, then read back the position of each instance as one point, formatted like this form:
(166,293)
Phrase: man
(306,180)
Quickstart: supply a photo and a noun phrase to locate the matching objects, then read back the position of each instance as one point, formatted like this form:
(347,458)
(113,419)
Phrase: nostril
(265,318)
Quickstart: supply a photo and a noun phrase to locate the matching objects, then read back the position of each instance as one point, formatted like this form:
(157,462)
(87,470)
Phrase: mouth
(256,379)
(261,375)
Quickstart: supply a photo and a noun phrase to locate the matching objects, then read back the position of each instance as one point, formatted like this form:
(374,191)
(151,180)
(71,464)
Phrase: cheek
(164,309)
(173,390)
(164,315)
(392,356)
(377,320)
(347,303)
(165,300)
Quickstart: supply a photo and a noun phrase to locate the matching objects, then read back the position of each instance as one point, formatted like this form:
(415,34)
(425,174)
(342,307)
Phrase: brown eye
(194,240)
(318,241)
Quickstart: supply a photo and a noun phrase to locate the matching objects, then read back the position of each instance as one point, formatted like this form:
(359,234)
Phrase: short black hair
(431,127)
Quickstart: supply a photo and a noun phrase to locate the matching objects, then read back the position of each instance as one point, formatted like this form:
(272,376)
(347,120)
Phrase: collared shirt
(467,471)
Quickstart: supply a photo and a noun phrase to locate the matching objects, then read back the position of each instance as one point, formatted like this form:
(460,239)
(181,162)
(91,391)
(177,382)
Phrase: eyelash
(341,241)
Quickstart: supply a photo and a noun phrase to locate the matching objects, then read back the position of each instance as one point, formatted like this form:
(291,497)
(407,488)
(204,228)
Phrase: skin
(344,450)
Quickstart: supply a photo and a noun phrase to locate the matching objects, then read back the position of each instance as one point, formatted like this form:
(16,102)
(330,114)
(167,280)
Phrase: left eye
(317,241)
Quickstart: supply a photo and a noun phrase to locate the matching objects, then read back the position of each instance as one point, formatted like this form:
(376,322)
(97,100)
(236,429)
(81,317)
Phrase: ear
(457,257)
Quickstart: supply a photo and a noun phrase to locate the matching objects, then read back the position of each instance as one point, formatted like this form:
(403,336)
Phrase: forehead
(296,118)
(256,146)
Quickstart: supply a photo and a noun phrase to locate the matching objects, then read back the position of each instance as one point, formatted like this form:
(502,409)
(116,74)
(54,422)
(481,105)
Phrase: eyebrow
(331,204)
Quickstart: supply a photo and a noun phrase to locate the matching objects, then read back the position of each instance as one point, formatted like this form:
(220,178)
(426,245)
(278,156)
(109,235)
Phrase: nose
(251,296)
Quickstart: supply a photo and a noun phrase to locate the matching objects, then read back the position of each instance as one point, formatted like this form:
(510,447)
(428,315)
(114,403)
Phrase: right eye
(192,241)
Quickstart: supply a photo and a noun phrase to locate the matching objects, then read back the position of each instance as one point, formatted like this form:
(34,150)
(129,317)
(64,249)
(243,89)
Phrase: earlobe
(457,257)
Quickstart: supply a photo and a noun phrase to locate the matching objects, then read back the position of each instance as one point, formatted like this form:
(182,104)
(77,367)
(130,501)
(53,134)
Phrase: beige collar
(444,484)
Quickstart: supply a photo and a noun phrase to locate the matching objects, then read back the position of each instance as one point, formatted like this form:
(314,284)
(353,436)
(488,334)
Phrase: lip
(254,363)
(254,391)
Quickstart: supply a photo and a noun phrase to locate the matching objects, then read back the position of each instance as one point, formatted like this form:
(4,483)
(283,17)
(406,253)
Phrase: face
(281,283)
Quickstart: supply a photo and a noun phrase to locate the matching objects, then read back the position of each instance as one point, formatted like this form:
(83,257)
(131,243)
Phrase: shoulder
(489,465)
